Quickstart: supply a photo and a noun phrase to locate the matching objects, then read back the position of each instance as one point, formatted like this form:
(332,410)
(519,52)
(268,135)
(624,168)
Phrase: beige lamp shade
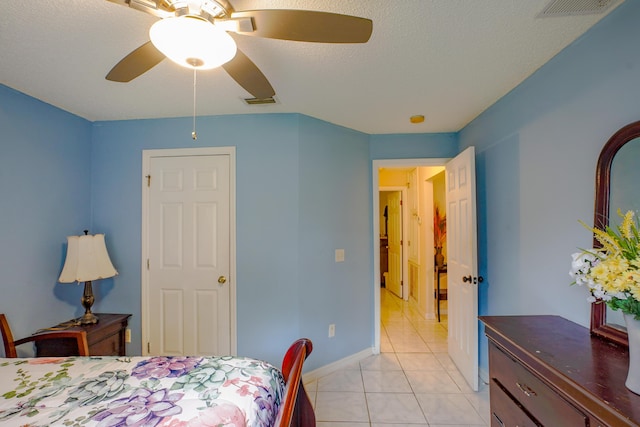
(87,259)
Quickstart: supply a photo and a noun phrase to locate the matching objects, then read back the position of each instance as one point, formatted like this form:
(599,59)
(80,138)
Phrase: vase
(439,258)
(633,375)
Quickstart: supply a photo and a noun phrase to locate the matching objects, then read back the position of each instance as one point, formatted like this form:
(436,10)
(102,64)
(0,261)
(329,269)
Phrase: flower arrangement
(612,272)
(439,228)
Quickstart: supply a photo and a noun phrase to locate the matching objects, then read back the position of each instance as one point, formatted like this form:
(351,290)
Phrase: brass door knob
(222,280)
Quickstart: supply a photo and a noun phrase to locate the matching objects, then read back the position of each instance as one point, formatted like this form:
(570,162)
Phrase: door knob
(222,280)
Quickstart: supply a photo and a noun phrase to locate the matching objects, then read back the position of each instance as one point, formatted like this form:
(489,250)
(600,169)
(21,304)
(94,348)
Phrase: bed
(155,391)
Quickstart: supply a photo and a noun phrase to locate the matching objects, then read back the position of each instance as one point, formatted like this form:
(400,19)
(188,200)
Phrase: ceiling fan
(217,18)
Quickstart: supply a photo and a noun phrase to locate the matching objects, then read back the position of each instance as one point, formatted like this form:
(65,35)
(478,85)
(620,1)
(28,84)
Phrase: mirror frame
(599,326)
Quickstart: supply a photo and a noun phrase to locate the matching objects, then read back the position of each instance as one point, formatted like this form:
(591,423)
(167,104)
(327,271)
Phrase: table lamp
(87,259)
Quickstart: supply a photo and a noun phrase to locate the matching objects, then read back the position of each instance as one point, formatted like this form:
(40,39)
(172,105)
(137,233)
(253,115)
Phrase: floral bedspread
(139,391)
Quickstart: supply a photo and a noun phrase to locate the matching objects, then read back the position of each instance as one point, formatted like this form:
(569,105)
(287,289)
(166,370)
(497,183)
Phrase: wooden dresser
(105,338)
(548,371)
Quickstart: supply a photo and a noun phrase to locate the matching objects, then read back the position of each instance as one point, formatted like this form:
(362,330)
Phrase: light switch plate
(339,255)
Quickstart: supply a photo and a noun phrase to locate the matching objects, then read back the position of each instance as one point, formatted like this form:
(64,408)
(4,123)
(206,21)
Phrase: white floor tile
(432,382)
(419,362)
(412,383)
(381,362)
(396,408)
(331,424)
(341,407)
(449,409)
(400,425)
(385,381)
(446,361)
(342,380)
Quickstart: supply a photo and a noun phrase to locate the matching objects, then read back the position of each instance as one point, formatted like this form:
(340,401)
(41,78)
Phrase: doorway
(409,222)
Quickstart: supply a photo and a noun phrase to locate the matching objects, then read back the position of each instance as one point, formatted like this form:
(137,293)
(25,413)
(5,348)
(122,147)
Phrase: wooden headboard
(296,411)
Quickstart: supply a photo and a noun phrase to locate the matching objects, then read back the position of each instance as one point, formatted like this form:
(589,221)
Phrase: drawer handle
(526,390)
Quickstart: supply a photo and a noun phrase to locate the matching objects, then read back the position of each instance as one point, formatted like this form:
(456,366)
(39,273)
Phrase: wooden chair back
(80,337)
(7,337)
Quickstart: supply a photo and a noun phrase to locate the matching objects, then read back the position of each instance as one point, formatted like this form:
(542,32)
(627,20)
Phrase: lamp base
(87,301)
(88,319)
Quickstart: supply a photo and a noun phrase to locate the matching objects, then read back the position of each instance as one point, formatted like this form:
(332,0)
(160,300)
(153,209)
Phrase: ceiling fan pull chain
(194,135)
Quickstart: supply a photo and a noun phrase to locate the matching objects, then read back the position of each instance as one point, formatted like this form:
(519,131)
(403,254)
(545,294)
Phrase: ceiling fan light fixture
(192,42)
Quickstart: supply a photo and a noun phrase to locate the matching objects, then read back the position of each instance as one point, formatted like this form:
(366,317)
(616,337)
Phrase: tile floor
(412,382)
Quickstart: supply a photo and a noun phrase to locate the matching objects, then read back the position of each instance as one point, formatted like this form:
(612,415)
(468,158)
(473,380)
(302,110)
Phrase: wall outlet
(332,330)
(127,335)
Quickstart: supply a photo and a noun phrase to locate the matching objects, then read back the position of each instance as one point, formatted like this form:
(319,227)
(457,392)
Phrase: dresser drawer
(545,405)
(505,412)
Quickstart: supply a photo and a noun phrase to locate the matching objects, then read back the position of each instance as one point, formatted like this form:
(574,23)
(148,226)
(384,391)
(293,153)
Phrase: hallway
(412,382)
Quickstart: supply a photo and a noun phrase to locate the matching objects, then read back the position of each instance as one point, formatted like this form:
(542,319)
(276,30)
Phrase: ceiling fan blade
(307,26)
(249,76)
(136,63)
(157,8)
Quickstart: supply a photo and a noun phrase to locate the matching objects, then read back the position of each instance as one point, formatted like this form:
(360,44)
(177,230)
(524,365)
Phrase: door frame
(147,155)
(375,183)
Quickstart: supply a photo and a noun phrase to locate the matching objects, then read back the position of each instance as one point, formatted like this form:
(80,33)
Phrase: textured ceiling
(446,59)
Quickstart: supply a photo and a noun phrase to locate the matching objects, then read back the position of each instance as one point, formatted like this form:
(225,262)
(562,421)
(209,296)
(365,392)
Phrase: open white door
(394,234)
(462,264)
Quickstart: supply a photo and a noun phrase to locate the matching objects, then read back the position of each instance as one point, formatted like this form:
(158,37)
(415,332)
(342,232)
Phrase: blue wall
(301,193)
(536,153)
(45,182)
(413,146)
(335,213)
(304,190)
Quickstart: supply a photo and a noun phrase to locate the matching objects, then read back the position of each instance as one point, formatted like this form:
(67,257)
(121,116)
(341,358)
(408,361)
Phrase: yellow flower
(612,271)
(627,223)
(608,242)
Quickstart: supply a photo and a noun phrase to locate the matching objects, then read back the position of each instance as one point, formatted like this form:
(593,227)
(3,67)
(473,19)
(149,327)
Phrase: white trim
(375,185)
(336,366)
(176,152)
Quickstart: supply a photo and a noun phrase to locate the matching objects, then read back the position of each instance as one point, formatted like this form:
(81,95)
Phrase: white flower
(581,265)
(612,272)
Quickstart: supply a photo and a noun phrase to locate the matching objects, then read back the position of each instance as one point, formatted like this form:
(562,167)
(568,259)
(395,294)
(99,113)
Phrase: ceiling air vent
(260,101)
(577,7)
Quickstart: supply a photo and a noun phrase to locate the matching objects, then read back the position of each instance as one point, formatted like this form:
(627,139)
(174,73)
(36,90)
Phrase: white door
(462,264)
(394,234)
(189,299)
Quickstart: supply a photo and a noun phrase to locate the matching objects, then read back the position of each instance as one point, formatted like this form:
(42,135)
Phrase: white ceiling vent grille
(577,7)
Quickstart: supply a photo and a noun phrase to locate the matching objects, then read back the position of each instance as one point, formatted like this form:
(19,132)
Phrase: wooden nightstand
(105,338)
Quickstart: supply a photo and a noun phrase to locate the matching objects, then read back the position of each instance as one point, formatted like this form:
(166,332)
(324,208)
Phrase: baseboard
(312,376)
(484,375)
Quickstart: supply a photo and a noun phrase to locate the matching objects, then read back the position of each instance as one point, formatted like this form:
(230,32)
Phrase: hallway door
(462,264)
(394,233)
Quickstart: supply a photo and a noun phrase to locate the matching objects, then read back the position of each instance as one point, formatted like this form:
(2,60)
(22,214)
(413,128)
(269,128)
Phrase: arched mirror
(617,175)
